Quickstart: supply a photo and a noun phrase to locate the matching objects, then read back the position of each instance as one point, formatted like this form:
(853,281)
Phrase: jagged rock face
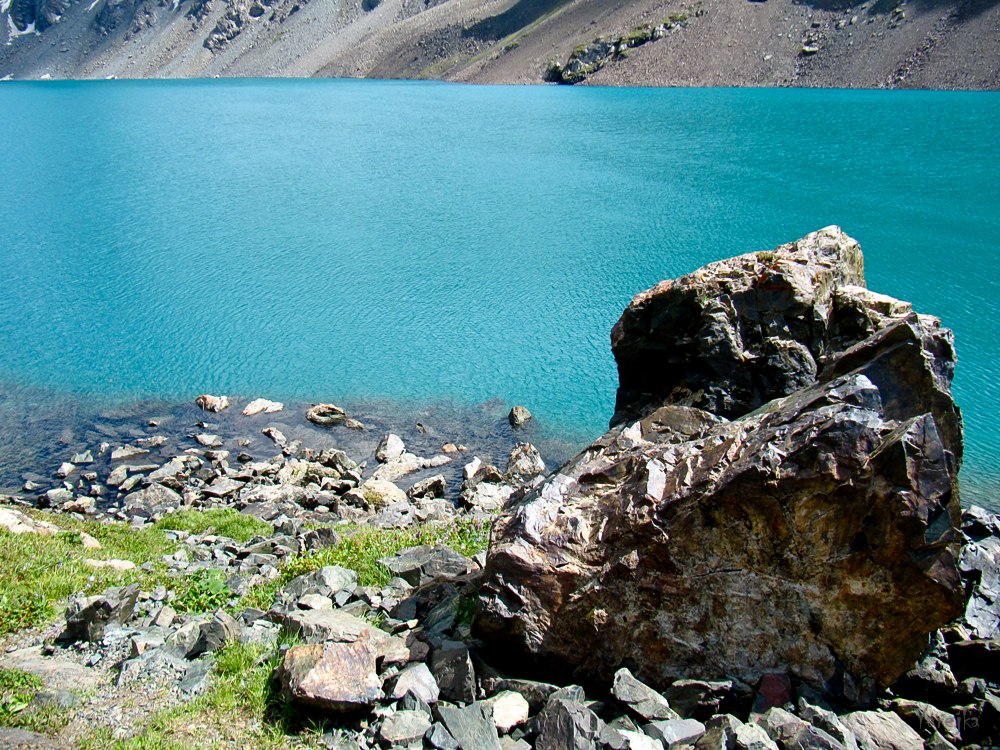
(814,536)
(41,13)
(735,334)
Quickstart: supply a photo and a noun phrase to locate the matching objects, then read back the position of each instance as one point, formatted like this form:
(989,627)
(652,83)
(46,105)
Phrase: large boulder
(738,333)
(814,535)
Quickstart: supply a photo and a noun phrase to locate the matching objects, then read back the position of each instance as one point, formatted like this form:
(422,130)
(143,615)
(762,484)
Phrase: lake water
(417,242)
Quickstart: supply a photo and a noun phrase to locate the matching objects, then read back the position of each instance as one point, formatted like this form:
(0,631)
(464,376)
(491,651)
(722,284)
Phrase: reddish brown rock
(337,677)
(815,536)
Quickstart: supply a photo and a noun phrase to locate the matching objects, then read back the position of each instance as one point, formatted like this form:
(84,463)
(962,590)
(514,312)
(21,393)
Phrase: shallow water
(420,242)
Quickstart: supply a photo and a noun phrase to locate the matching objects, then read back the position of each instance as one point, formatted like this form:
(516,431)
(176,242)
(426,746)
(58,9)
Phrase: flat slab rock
(55,672)
(318,626)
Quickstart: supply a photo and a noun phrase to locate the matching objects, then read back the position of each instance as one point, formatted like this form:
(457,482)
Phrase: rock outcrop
(814,534)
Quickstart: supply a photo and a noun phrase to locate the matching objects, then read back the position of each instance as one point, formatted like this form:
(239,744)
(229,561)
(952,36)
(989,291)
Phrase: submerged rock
(262,406)
(326,414)
(212,403)
(815,534)
(518,416)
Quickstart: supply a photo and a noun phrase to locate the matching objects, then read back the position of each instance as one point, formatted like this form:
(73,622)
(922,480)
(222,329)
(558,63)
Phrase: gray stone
(380,493)
(127,451)
(927,719)
(937,742)
(535,693)
(673,732)
(88,618)
(316,626)
(56,672)
(154,499)
(403,728)
(439,737)
(434,486)
(510,710)
(212,403)
(566,725)
(326,414)
(452,668)
(223,487)
(419,565)
(314,601)
(930,679)
(262,406)
(829,722)
(720,733)
(640,698)
(215,633)
(186,640)
(416,679)
(697,699)
(275,435)
(524,463)
(197,678)
(793,733)
(328,581)
(753,737)
(882,730)
(472,726)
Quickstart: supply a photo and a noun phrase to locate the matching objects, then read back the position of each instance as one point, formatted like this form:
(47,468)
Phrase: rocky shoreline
(766,552)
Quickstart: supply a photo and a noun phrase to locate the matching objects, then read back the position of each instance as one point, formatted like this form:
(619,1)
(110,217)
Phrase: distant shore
(949,45)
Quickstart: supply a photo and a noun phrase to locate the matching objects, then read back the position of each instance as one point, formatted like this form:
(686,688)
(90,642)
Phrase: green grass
(17,690)
(240,708)
(219,521)
(204,590)
(37,573)
(360,548)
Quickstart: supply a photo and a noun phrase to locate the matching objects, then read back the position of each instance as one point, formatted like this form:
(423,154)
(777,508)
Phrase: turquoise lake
(325,240)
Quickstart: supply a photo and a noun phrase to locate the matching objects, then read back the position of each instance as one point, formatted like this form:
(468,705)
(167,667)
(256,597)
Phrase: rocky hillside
(877,43)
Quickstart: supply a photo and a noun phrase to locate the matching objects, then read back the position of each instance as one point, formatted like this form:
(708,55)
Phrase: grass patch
(17,690)
(219,521)
(204,590)
(38,572)
(241,708)
(360,548)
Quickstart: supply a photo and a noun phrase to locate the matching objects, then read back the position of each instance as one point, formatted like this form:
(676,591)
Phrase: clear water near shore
(420,242)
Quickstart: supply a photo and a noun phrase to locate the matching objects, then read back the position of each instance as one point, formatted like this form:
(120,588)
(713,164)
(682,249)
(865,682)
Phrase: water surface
(325,240)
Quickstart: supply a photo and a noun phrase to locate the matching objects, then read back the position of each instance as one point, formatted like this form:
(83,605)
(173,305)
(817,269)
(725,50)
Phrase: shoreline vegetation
(241,577)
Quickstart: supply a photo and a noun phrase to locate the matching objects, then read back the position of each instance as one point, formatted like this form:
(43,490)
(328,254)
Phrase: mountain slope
(883,43)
